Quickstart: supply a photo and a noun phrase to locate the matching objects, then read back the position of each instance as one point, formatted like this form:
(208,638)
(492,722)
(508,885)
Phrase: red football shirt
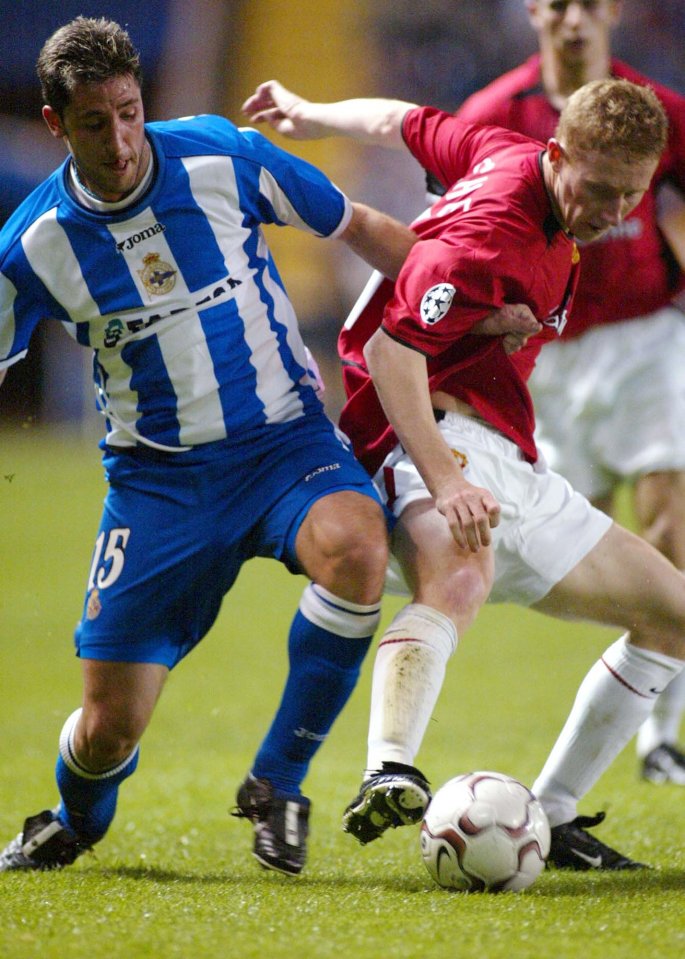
(491,239)
(629,272)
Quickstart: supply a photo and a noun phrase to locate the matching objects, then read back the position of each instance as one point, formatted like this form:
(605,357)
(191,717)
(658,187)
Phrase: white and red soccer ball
(484,831)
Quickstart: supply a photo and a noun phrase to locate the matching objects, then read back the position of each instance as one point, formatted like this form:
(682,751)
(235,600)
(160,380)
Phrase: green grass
(174,877)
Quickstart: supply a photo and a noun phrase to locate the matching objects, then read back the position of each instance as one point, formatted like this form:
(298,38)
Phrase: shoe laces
(588,822)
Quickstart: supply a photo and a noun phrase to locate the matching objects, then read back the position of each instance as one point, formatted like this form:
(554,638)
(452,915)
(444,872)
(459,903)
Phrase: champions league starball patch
(436,302)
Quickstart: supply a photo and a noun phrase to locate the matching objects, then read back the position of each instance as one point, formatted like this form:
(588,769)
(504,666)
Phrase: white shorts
(545,527)
(610,404)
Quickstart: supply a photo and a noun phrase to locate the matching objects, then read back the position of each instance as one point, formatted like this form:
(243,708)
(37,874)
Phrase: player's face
(575,31)
(103,127)
(594,193)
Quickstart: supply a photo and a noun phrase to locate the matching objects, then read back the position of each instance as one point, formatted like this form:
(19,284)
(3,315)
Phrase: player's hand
(471,513)
(514,322)
(283,110)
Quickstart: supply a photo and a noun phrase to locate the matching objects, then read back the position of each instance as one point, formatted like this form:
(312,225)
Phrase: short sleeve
(439,297)
(285,189)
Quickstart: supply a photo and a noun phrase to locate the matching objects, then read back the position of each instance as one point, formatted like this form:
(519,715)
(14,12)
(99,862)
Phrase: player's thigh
(337,521)
(437,571)
(623,581)
(159,569)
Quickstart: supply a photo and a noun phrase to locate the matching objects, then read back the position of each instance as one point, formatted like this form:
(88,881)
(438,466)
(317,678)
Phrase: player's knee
(343,546)
(359,547)
(354,559)
(463,591)
(102,742)
(661,514)
(665,533)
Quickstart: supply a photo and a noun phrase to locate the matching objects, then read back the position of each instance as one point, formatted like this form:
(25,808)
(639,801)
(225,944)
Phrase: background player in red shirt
(608,396)
(478,515)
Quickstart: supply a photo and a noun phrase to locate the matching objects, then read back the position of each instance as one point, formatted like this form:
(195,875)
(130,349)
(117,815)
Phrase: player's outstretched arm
(372,121)
(379,239)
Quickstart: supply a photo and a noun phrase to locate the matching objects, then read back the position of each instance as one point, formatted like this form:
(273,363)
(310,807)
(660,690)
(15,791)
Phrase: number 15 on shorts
(108,558)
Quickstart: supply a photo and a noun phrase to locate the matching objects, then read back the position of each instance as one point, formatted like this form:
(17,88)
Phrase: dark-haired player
(147,246)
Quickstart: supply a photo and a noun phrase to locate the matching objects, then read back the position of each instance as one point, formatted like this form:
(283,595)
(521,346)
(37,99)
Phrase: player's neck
(92,201)
(549,180)
(561,78)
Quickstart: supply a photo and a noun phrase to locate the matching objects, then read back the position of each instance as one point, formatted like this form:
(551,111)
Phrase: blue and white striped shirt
(194,337)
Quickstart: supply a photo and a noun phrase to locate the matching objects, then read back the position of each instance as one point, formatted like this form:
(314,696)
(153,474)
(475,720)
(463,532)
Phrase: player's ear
(54,122)
(555,152)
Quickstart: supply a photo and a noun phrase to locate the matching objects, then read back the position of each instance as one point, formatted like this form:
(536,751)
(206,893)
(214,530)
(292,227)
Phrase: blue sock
(329,638)
(89,799)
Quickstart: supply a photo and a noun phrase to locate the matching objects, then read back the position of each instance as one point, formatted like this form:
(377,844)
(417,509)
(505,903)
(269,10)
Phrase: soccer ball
(484,831)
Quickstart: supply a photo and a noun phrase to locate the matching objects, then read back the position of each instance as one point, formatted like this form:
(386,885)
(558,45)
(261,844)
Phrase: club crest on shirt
(436,302)
(158,277)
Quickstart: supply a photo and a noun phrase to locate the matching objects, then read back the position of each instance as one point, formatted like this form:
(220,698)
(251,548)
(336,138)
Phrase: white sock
(68,753)
(663,726)
(339,616)
(408,673)
(613,700)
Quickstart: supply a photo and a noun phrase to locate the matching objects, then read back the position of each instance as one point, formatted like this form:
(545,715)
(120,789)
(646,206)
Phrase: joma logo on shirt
(130,241)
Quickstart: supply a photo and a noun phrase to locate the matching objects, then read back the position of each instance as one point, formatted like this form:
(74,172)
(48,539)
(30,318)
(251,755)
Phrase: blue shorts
(176,529)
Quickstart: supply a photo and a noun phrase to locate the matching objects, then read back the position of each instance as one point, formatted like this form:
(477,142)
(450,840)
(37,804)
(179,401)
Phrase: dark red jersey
(491,239)
(629,272)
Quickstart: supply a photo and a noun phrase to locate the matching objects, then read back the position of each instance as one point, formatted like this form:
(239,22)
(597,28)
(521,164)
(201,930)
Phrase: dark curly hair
(86,50)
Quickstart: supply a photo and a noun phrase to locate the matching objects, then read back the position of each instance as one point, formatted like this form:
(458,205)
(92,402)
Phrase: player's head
(607,145)
(576,32)
(85,50)
(90,79)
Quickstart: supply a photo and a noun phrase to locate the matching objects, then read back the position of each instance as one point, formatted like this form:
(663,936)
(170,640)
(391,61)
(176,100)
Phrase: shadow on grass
(553,884)
(564,883)
(264,877)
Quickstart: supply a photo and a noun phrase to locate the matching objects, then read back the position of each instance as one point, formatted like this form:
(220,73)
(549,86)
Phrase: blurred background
(204,56)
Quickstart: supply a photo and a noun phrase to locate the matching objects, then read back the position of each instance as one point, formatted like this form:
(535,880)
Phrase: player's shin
(615,697)
(408,674)
(329,638)
(88,799)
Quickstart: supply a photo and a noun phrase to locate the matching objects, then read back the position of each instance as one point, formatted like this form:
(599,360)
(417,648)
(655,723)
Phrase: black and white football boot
(281,825)
(573,847)
(44,843)
(396,795)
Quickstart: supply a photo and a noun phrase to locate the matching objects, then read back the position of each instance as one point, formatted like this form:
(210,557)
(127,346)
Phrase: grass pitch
(174,876)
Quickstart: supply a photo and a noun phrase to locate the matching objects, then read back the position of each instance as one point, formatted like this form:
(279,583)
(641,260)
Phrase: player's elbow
(375,351)
(387,130)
